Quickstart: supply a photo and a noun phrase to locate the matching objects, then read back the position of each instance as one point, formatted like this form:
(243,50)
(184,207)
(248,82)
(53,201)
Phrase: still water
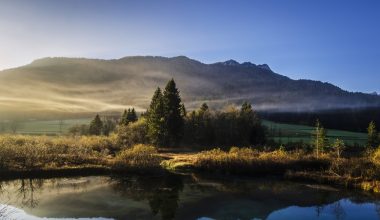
(175,196)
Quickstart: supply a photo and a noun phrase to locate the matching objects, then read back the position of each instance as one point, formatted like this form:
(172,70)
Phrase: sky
(335,41)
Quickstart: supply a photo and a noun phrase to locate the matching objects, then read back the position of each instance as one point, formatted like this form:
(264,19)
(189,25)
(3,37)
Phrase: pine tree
(131,116)
(204,107)
(157,131)
(173,117)
(320,140)
(251,131)
(124,119)
(96,126)
(183,111)
(372,135)
(339,147)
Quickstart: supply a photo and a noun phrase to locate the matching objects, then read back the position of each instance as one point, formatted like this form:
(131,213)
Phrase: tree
(131,116)
(128,116)
(157,131)
(204,107)
(96,126)
(109,125)
(320,140)
(250,126)
(173,113)
(338,147)
(183,111)
(14,125)
(124,118)
(373,140)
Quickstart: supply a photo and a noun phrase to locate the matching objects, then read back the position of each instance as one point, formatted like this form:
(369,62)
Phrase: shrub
(139,156)
(133,133)
(376,156)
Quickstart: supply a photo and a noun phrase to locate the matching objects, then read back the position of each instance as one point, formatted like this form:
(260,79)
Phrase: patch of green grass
(286,133)
(46,127)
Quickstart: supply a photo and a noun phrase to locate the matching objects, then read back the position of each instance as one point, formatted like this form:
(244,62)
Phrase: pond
(175,196)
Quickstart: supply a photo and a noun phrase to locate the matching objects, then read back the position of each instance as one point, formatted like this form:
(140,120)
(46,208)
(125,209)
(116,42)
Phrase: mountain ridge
(61,84)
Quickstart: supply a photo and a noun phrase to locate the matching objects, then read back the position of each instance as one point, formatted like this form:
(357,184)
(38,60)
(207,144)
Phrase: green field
(44,127)
(285,133)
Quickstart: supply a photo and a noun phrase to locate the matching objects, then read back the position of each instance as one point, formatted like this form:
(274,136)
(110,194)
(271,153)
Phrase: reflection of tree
(377,208)
(26,191)
(162,192)
(338,210)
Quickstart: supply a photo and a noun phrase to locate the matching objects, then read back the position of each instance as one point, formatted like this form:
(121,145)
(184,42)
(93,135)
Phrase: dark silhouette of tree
(173,116)
(231,127)
(128,116)
(124,118)
(109,125)
(157,131)
(96,126)
(131,115)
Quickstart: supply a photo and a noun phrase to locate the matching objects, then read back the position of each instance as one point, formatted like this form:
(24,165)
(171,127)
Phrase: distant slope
(73,85)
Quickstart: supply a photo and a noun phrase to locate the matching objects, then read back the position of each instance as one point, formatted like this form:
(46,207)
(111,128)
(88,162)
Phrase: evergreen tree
(339,147)
(251,131)
(96,126)
(204,107)
(131,115)
(128,116)
(124,118)
(372,135)
(157,131)
(109,125)
(183,111)
(320,141)
(173,117)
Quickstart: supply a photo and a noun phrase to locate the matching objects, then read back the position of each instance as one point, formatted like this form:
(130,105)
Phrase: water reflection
(162,193)
(173,196)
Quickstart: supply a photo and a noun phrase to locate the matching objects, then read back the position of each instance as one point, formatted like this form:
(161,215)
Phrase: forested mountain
(78,85)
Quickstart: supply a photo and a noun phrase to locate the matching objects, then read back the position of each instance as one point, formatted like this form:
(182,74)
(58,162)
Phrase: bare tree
(14,125)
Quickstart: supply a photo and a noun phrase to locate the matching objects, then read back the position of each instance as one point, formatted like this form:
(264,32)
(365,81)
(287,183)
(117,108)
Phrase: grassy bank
(32,154)
(359,171)
(36,156)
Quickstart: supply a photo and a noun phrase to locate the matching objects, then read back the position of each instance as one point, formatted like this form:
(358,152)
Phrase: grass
(360,171)
(46,127)
(22,153)
(141,157)
(71,155)
(253,162)
(286,133)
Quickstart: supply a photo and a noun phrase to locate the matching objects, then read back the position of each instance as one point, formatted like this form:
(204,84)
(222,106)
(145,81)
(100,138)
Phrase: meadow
(286,133)
(44,127)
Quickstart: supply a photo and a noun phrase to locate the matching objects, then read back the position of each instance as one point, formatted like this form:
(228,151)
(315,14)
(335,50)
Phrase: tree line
(167,123)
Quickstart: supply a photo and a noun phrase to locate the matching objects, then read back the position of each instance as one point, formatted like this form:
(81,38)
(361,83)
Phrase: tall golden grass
(138,157)
(31,152)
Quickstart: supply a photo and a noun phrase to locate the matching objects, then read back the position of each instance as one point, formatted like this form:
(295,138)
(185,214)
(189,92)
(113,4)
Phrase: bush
(139,156)
(376,156)
(133,133)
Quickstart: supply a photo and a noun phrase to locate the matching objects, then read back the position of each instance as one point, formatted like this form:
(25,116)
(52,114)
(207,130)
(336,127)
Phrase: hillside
(77,85)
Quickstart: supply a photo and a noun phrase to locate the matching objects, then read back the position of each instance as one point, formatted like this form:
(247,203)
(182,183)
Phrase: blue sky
(327,40)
